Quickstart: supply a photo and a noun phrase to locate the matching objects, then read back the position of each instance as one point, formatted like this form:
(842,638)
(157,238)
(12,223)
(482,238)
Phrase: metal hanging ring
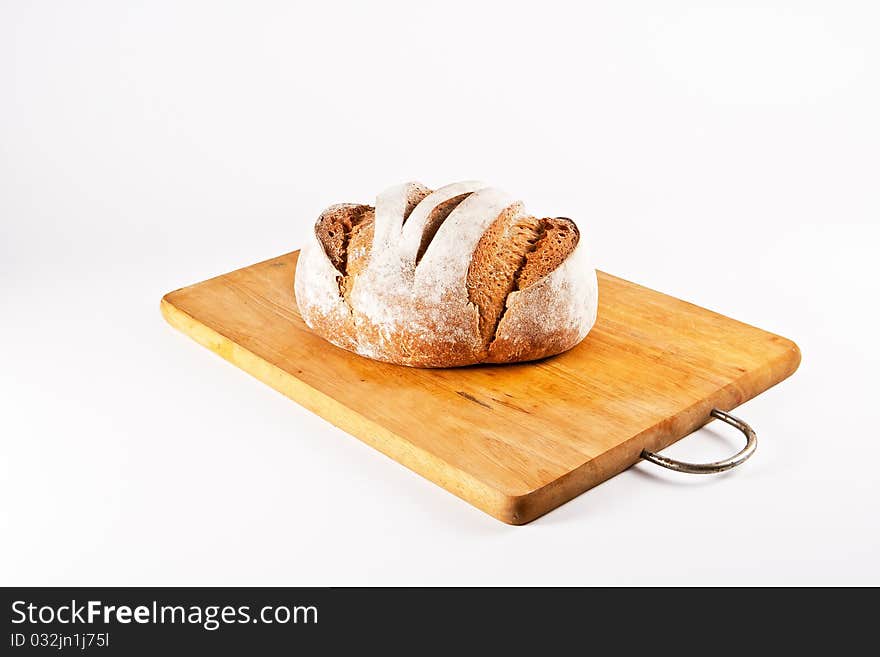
(717,466)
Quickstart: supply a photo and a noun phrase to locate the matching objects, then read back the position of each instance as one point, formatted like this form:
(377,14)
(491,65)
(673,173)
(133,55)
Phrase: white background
(726,153)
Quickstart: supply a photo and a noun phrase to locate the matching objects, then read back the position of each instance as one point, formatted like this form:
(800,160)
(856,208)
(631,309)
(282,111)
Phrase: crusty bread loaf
(457,276)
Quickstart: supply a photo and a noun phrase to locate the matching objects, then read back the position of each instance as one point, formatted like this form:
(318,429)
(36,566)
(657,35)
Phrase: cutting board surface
(513,440)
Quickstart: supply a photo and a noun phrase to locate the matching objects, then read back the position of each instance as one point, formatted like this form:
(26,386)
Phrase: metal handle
(717,466)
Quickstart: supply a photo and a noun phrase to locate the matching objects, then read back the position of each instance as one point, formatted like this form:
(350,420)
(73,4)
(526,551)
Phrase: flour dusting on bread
(457,276)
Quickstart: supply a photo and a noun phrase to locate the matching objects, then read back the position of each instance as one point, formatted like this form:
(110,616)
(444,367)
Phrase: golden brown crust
(558,238)
(334,229)
(499,256)
(357,255)
(515,252)
(526,347)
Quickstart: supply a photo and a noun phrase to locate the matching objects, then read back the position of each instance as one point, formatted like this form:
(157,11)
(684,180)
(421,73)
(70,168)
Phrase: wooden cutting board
(513,440)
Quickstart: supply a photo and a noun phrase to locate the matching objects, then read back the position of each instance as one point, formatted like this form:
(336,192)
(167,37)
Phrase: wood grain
(513,440)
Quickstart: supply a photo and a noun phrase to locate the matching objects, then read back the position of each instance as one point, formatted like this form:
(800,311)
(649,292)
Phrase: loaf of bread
(444,278)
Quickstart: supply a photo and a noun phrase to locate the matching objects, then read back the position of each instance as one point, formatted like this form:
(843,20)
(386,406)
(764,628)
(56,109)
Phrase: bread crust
(407,301)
